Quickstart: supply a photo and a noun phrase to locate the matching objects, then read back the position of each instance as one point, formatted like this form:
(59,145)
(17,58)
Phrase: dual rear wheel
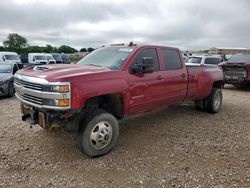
(212,103)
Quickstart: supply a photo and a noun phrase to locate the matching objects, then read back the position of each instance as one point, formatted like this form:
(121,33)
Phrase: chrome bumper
(28,93)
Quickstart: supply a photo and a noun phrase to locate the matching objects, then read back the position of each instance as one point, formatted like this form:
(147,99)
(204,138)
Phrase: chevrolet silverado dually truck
(110,84)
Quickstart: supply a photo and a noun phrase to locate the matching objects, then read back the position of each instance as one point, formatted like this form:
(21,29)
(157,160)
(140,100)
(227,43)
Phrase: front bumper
(46,119)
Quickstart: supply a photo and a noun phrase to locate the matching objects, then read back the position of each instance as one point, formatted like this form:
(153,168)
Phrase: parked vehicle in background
(112,83)
(57,57)
(186,55)
(34,58)
(237,70)
(203,60)
(50,59)
(7,70)
(65,58)
(9,57)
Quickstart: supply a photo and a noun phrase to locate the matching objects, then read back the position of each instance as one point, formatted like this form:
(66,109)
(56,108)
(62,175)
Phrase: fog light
(63,102)
(56,102)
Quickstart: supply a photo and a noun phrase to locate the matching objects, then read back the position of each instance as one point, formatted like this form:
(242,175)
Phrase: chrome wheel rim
(217,101)
(101,135)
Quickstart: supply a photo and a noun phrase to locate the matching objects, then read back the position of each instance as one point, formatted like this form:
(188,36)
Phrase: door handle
(159,78)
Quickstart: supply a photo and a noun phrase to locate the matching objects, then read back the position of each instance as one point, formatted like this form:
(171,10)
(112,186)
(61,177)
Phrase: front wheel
(99,134)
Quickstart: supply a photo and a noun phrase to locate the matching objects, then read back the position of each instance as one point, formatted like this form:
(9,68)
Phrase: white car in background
(9,57)
(50,59)
(34,58)
(203,60)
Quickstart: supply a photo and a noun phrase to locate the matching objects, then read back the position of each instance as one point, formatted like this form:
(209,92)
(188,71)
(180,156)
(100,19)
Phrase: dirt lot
(177,147)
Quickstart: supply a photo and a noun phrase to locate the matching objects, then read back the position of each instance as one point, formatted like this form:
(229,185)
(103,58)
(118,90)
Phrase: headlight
(57,88)
(56,102)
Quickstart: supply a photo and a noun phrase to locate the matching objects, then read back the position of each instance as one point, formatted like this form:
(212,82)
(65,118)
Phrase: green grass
(74,59)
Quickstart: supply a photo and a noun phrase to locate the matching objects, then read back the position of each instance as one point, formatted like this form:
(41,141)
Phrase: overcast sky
(187,24)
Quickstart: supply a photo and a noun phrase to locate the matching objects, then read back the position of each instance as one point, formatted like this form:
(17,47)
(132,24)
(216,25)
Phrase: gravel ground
(177,147)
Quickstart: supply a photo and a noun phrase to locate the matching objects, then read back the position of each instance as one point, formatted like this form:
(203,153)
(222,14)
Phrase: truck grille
(28,85)
(30,98)
(234,73)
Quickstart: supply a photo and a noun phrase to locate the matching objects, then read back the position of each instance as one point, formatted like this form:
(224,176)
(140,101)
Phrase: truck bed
(199,80)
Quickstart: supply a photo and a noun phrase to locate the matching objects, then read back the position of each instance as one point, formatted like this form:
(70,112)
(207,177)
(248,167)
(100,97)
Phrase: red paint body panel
(141,92)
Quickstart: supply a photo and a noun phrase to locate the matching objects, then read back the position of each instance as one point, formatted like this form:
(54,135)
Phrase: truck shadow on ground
(137,134)
(237,88)
(7,98)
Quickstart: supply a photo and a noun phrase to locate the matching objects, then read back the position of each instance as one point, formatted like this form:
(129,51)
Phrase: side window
(212,61)
(148,52)
(171,59)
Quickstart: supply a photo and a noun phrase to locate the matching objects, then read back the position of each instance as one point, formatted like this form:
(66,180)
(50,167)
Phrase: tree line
(19,44)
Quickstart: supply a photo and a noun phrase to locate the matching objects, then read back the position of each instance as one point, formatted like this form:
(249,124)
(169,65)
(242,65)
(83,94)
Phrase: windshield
(57,57)
(239,58)
(112,57)
(196,60)
(40,57)
(65,57)
(50,58)
(11,57)
(5,68)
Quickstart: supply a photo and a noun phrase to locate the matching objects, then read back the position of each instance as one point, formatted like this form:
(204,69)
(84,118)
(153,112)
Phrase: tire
(214,101)
(99,133)
(11,90)
(199,104)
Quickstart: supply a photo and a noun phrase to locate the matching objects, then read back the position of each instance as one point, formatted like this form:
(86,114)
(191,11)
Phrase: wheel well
(112,103)
(218,84)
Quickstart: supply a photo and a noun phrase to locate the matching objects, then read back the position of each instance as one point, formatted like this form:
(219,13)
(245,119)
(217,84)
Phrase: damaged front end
(46,119)
(236,74)
(45,103)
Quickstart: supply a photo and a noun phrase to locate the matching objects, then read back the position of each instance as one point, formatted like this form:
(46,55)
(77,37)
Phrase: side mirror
(135,69)
(148,65)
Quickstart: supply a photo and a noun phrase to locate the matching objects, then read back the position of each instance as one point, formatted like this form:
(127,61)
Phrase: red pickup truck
(237,70)
(112,83)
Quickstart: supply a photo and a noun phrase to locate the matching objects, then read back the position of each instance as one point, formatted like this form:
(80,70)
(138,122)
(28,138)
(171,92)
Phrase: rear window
(171,59)
(212,60)
(196,60)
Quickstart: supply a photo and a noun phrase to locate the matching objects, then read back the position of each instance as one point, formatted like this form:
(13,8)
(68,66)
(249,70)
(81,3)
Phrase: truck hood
(58,72)
(236,63)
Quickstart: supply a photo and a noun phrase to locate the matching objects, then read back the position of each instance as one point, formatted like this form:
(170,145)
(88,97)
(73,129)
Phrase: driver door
(146,90)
